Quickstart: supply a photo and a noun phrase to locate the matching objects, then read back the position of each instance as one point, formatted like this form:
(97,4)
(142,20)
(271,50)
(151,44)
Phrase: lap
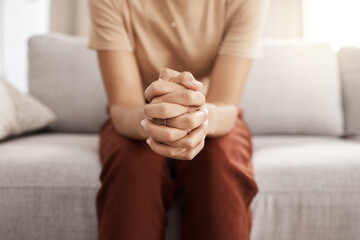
(233,150)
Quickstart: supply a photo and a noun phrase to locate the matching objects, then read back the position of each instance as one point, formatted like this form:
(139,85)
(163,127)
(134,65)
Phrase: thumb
(166,74)
(187,80)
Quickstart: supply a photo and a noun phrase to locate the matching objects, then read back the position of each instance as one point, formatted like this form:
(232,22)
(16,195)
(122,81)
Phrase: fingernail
(204,137)
(206,122)
(143,123)
(206,111)
(197,83)
(148,141)
(160,79)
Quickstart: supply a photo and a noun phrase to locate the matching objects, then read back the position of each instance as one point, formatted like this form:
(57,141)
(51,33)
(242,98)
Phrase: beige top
(185,35)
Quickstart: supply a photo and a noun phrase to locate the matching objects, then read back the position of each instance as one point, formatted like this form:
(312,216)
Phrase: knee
(127,157)
(128,160)
(111,141)
(228,159)
(226,152)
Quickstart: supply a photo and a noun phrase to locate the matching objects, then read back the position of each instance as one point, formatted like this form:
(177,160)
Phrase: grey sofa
(301,102)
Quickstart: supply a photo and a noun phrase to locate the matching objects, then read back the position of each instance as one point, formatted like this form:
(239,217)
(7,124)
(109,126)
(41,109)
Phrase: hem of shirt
(107,46)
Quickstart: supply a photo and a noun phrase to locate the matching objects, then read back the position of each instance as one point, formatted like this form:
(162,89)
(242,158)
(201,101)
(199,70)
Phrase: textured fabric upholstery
(64,75)
(308,188)
(21,113)
(321,164)
(48,185)
(349,62)
(294,89)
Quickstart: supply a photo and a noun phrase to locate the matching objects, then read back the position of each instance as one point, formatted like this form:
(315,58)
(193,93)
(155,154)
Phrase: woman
(174,72)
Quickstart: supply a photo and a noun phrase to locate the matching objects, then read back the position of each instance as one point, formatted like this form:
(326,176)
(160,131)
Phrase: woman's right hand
(173,100)
(184,110)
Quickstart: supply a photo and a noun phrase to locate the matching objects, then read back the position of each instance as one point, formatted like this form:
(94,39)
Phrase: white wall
(333,21)
(70,17)
(21,19)
(284,19)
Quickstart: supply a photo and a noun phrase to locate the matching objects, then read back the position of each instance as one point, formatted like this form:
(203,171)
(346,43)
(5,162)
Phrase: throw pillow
(21,113)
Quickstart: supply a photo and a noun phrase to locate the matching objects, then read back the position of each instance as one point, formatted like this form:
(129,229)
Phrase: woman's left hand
(183,136)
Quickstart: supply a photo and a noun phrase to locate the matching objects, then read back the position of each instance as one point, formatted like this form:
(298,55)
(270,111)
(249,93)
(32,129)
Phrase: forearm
(127,121)
(222,118)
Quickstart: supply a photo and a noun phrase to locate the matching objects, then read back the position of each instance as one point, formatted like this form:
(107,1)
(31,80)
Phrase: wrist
(127,120)
(140,129)
(212,117)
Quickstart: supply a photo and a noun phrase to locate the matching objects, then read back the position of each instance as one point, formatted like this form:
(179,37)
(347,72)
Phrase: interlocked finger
(163,149)
(191,140)
(159,88)
(191,153)
(182,97)
(163,133)
(166,110)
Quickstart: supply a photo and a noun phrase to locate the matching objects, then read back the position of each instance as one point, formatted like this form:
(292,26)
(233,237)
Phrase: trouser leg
(218,187)
(136,189)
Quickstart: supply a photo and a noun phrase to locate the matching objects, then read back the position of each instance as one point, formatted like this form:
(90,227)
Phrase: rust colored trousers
(138,186)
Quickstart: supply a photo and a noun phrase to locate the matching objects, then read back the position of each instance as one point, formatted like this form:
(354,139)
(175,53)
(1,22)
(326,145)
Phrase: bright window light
(333,21)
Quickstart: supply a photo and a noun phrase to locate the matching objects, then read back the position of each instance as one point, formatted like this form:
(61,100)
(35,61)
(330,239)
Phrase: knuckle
(156,100)
(172,137)
(169,136)
(172,152)
(147,110)
(190,121)
(203,143)
(165,71)
(164,109)
(189,143)
(189,155)
(156,87)
(188,96)
(202,98)
(187,75)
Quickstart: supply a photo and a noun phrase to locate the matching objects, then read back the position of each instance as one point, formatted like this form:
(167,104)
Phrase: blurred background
(333,21)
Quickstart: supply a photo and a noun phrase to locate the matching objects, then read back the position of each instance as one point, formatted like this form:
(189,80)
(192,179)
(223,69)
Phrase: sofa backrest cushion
(349,61)
(65,76)
(294,89)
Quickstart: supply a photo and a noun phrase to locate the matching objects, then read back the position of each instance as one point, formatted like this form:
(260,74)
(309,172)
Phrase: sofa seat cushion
(49,181)
(282,163)
(48,184)
(50,160)
(309,188)
(306,164)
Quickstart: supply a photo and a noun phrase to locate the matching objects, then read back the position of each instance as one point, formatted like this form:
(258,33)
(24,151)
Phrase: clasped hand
(176,116)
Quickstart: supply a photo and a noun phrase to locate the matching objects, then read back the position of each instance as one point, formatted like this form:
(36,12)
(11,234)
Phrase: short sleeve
(108,28)
(245,20)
